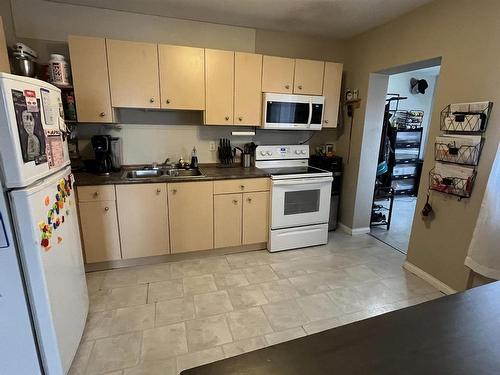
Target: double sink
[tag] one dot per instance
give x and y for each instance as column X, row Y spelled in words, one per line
column 161, row 173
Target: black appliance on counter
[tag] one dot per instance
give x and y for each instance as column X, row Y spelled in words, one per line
column 332, row 164
column 103, row 155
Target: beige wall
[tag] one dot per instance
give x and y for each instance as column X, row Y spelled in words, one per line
column 469, row 72
column 295, row 45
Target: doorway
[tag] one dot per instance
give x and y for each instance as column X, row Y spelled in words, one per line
column 407, row 113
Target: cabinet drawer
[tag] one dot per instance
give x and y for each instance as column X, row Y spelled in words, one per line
column 96, row 193
column 241, row 186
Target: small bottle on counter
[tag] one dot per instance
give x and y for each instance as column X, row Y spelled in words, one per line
column 194, row 158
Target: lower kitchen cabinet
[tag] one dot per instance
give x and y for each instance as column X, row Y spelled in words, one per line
column 99, row 225
column 255, row 217
column 227, row 220
column 143, row 218
column 191, row 216
column 241, row 219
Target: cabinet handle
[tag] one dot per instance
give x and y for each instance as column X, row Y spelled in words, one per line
column 168, row 101
column 249, row 200
column 102, row 114
column 242, row 187
column 299, row 87
column 235, row 201
column 227, row 118
column 96, row 194
column 152, row 100
column 326, row 121
column 240, row 118
column 158, row 191
column 287, row 87
column 174, row 191
column 106, row 209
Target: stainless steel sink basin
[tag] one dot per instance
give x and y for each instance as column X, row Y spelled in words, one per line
column 143, row 173
column 182, row 172
column 137, row 174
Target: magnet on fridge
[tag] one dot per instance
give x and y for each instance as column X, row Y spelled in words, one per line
column 58, row 197
column 67, row 212
column 46, row 200
column 45, row 242
column 62, row 219
column 59, row 239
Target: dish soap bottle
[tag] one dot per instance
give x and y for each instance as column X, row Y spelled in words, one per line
column 194, row 158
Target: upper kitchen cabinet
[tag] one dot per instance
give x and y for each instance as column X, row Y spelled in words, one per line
column 133, row 74
column 308, row 77
column 277, row 74
column 247, row 89
column 89, row 67
column 182, row 77
column 219, row 87
column 4, row 57
column 331, row 91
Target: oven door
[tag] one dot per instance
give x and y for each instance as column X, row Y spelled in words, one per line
column 298, row 202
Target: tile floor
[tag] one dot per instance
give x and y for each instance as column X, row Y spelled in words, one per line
column 398, row 235
column 164, row 318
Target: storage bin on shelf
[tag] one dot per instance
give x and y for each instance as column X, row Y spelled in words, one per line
column 466, row 117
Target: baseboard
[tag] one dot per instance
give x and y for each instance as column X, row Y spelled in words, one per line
column 123, row 263
column 438, row 284
column 353, row 232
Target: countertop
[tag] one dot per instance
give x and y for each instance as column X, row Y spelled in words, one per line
column 210, row 172
column 457, row 334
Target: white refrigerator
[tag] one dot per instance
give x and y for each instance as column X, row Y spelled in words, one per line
column 43, row 293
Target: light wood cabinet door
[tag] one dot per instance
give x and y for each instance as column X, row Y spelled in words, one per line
column 331, row 91
column 219, row 87
column 190, row 216
column 133, row 74
column 277, row 74
column 227, row 220
column 4, row 56
column 255, row 217
column 99, row 225
column 182, row 77
column 89, row 68
column 308, row 77
column 143, row 219
column 247, row 89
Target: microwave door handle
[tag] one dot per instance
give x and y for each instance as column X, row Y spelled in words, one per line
column 309, row 119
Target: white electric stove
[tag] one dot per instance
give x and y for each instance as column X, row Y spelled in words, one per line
column 300, row 197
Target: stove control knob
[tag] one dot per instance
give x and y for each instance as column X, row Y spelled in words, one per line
column 269, row 153
column 262, row 153
column 297, row 152
column 303, row 152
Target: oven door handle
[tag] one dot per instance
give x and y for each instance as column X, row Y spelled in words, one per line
column 302, row 181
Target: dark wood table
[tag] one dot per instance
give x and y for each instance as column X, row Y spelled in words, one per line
column 457, row 334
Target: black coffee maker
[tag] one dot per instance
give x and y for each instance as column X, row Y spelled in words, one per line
column 102, row 151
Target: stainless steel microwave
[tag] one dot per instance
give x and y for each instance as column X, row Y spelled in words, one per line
column 292, row 112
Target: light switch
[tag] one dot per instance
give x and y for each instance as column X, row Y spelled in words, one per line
column 4, row 242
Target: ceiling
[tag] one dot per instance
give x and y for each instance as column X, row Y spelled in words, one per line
column 328, row 18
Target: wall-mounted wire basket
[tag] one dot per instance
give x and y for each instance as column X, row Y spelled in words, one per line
column 466, row 117
column 461, row 154
column 460, row 187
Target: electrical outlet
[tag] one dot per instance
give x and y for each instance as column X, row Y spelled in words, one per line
column 211, row 146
